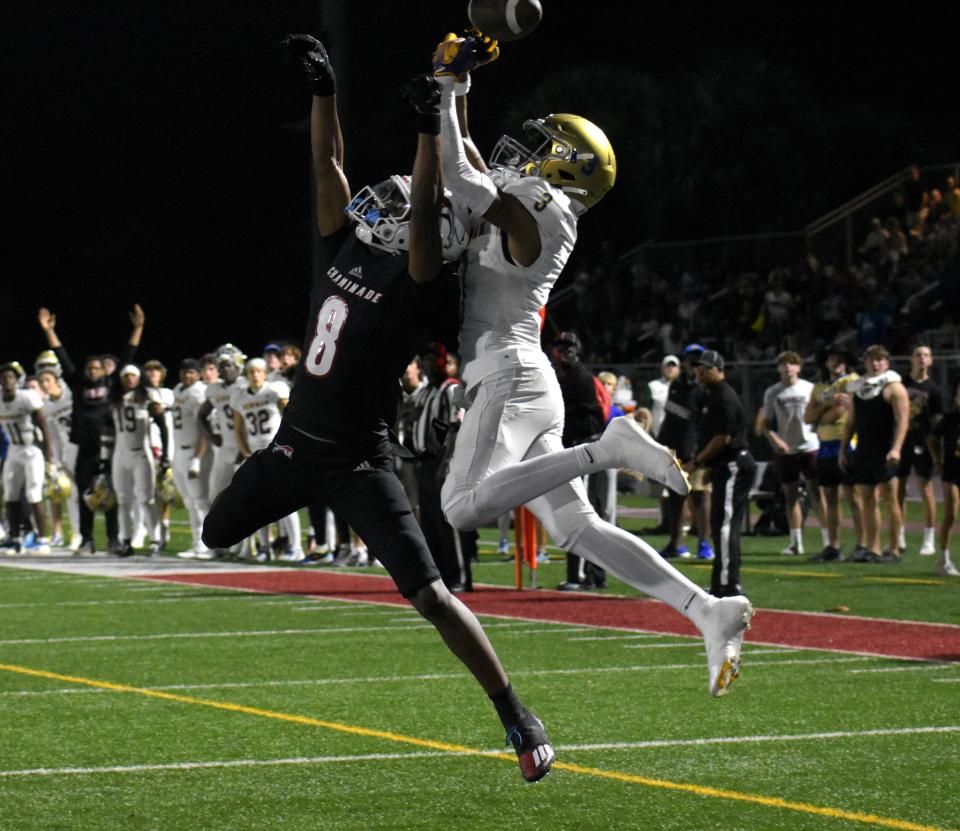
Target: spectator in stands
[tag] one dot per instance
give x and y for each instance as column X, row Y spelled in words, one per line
column 880, row 417
column 926, row 409
column 827, row 411
column 944, row 446
column 874, row 247
column 778, row 304
column 913, row 197
column 794, row 442
column 952, row 198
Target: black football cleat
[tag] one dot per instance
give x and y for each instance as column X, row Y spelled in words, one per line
column 534, row 751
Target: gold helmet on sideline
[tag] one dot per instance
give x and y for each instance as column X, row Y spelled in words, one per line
column 167, row 489
column 566, row 150
column 47, row 361
column 57, row 485
column 100, row 495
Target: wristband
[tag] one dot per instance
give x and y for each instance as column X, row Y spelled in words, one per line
column 195, row 465
column 429, row 123
column 462, row 87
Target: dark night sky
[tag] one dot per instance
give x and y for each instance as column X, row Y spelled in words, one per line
column 155, row 152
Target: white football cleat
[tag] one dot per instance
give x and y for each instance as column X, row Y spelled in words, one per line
column 189, row 554
column 724, row 622
column 625, row 440
column 927, row 549
column 948, row 569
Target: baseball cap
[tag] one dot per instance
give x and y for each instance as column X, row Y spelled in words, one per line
column 130, row 369
column 691, row 348
column 154, row 364
column 272, row 347
column 670, row 359
column 190, row 363
column 710, row 358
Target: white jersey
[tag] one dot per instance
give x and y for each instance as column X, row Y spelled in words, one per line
column 187, row 402
column 785, row 404
column 165, row 395
column 131, row 420
column 260, row 411
column 502, row 300
column 16, row 417
column 218, row 395
column 59, row 415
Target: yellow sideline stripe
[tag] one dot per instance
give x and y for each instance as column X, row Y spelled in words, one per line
column 699, row 790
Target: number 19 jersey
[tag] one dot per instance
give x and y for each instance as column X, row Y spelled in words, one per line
column 367, row 319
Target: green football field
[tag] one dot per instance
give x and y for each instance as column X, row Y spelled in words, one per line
column 136, row 704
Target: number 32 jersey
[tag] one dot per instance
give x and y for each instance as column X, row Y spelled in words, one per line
column 367, row 319
column 260, row 411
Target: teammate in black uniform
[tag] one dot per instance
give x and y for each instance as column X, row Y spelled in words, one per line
column 722, row 446
column 368, row 315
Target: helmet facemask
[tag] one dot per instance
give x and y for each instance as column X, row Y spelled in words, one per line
column 547, row 151
column 382, row 216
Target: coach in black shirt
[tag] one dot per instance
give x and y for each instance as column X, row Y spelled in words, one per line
column 722, row 446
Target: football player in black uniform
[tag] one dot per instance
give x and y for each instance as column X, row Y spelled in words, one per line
column 368, row 314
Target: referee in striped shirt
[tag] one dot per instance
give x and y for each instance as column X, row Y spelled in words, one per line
column 722, row 447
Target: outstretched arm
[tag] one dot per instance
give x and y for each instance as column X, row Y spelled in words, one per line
column 326, row 138
column 468, row 183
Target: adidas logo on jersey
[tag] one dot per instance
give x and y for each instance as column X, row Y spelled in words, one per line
column 357, row 272
column 363, row 466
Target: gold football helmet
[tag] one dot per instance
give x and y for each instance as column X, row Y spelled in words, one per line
column 100, row 495
column 49, row 362
column 57, row 485
column 167, row 489
column 566, row 150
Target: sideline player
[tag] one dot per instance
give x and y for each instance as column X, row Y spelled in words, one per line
column 134, row 407
column 58, row 410
column 926, row 409
column 368, row 314
column 880, row 417
column 257, row 409
column 190, row 447
column 21, row 411
column 509, row 450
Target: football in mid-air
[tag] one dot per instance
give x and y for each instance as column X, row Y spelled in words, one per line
column 505, row 19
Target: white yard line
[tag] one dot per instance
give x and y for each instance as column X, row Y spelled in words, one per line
column 442, row 676
column 914, row 668
column 379, row 757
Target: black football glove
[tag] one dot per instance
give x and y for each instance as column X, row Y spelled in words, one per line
column 423, row 95
column 306, row 52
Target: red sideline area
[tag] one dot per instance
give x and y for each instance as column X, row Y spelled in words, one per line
column 895, row 639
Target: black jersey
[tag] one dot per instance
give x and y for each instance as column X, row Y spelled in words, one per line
column 926, row 407
column 367, row 319
column 681, row 412
column 721, row 414
column 948, row 432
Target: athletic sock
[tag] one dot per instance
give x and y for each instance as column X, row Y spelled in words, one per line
column 825, row 536
column 928, row 534
column 796, row 539
column 508, row 706
column 632, row 560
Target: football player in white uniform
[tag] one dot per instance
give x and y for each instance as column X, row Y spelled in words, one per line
column 230, row 361
column 134, row 407
column 190, row 446
column 58, row 411
column 256, row 416
column 154, row 374
column 21, row 416
column 508, row 451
